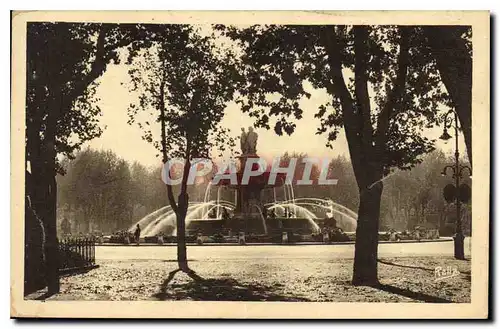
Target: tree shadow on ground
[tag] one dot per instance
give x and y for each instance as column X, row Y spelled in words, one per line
column 406, row 292
column 406, row 266
column 411, row 294
column 466, row 274
column 223, row 289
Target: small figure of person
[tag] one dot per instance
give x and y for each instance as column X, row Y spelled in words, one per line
column 332, row 233
column 326, row 234
column 265, row 212
column 417, row 233
column 137, row 234
column 225, row 214
column 392, row 235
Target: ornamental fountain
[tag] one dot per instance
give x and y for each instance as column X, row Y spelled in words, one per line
column 249, row 211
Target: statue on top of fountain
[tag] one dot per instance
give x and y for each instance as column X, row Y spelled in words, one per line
column 248, row 141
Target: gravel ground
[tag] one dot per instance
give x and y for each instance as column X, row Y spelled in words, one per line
column 403, row 279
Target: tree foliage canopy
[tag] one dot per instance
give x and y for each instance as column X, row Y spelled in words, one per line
column 385, row 71
column 64, row 62
column 185, row 82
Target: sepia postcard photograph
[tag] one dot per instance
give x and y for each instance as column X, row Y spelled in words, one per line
column 250, row 165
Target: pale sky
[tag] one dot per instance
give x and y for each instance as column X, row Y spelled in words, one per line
column 126, row 142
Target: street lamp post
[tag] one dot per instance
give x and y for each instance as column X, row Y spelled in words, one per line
column 457, row 170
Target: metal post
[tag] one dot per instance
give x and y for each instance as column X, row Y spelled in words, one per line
column 457, row 173
column 92, row 260
column 459, row 237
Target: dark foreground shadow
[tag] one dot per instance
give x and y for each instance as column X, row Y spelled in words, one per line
column 411, row 294
column 223, row 289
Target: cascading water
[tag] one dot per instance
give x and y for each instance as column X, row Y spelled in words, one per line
column 309, row 209
column 291, row 193
column 264, row 225
column 299, row 212
column 218, row 200
column 149, row 218
column 167, row 219
column 303, row 208
column 207, row 192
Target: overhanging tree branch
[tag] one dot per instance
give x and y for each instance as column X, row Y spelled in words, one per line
column 98, row 67
column 454, row 62
column 361, row 85
column 395, row 95
column 161, row 105
column 338, row 88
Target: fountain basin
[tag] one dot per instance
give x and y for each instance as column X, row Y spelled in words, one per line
column 250, row 225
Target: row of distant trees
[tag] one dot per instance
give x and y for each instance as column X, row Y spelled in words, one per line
column 102, row 192
column 410, row 197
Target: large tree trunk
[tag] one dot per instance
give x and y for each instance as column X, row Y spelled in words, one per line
column 34, row 258
column 34, row 242
column 52, row 248
column 50, row 217
column 365, row 258
column 41, row 153
column 181, row 231
column 182, row 207
column 42, row 191
column 365, row 160
column 43, row 196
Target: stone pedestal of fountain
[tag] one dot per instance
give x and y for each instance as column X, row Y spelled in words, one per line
column 248, row 212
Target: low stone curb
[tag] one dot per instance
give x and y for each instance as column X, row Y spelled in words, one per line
column 270, row 244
